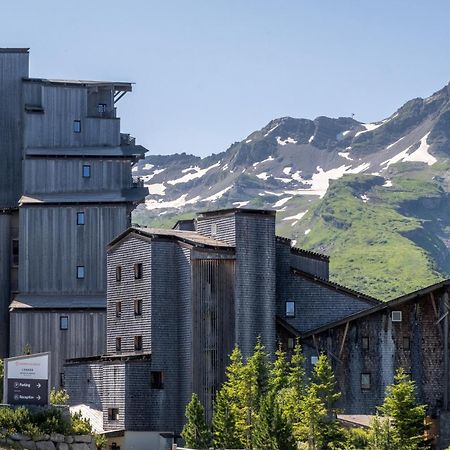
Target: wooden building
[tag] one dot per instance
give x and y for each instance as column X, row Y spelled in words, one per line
column 65, row 191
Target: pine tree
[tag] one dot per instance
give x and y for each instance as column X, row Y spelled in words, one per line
column 278, row 378
column 324, row 382
column 407, row 416
column 224, row 422
column 196, row 433
column 297, row 376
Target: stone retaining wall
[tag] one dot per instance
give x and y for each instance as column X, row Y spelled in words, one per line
column 53, row 441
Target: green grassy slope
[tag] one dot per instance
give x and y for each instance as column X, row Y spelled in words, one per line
column 369, row 241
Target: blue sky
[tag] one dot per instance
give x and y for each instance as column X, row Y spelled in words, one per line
column 209, row 72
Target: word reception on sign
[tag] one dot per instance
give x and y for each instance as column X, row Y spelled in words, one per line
column 26, row 379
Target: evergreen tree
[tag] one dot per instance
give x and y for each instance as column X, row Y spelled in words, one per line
column 224, row 422
column 258, row 365
column 407, row 416
column 278, row 378
column 297, row 377
column 381, row 436
column 196, row 433
column 324, row 383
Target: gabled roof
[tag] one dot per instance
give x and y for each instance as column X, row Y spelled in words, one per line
column 64, row 302
column 226, row 211
column 396, row 302
column 335, row 286
column 301, row 251
column 116, row 85
column 189, row 237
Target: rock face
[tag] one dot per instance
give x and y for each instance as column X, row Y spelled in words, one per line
column 290, row 164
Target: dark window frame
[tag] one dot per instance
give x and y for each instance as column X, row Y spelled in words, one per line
column 156, row 379
column 118, row 273
column 86, row 171
column 365, row 342
column 138, row 271
column 81, row 218
column 287, row 312
column 118, row 309
column 15, row 252
column 61, row 325
column 81, row 276
column 138, row 304
column 365, row 387
column 406, row 343
column 118, row 344
column 76, row 126
column 138, row 343
column 113, row 414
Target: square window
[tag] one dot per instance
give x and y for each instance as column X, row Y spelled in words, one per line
column 64, row 323
column 80, row 272
column 86, row 171
column 118, row 273
column 314, row 360
column 156, row 380
column 365, row 343
column 138, row 307
column 396, row 316
column 138, row 271
column 113, row 413
column 101, row 108
column 290, row 309
column 406, row 343
column 138, row 343
column 290, row 343
column 365, row 381
column 118, row 344
column 118, row 309
column 80, row 218
column 77, row 126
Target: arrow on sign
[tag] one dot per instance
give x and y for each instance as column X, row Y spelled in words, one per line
column 39, row 385
column 38, row 397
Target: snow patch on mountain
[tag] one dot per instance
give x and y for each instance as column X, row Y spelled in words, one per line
column 286, row 141
column 297, row 216
column 177, row 203
column 156, row 189
column 198, row 173
column 281, row 202
column 369, row 127
column 218, row 195
column 263, row 176
column 345, row 155
column 272, row 129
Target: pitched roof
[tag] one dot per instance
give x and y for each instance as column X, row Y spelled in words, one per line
column 189, row 237
column 382, row 306
column 222, row 212
column 301, row 251
column 28, row 302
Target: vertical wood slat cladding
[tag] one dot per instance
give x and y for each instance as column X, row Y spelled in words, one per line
column 52, row 245
column 41, row 329
column 54, row 128
column 65, row 175
column 213, row 325
column 13, row 67
column 5, row 297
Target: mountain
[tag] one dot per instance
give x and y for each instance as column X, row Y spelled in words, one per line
column 374, row 196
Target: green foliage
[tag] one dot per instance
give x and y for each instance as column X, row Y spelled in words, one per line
column 27, row 350
column 224, row 422
column 357, row 438
column 406, row 415
column 80, row 425
column 381, row 435
column 59, row 397
column 196, row 433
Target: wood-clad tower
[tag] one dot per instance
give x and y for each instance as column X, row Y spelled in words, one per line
column 65, row 191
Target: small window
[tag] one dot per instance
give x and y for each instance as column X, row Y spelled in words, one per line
column 118, row 273
column 138, row 307
column 113, row 413
column 406, row 343
column 290, row 343
column 80, row 218
column 156, row 380
column 118, row 309
column 80, row 272
column 396, row 316
column 365, row 381
column 15, row 252
column 86, row 171
column 118, row 344
column 138, row 343
column 214, row 229
column 62, row 379
column 138, row 271
column 101, row 108
column 77, row 126
column 314, row 360
column 290, row 309
column 365, row 343
column 64, row 323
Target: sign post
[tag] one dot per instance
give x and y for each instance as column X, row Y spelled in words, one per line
column 27, row 379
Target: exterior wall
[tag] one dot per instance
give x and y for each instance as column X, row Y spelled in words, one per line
column 317, row 304
column 13, row 67
column 41, row 330
column 424, row 359
column 65, row 175
column 132, row 250
column 5, row 289
column 114, row 394
column 54, row 126
column 226, row 227
column 52, row 245
column 84, row 384
column 310, row 264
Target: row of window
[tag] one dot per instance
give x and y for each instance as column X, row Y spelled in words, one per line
column 137, row 308
column 365, row 343
column 137, row 269
column 137, row 344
